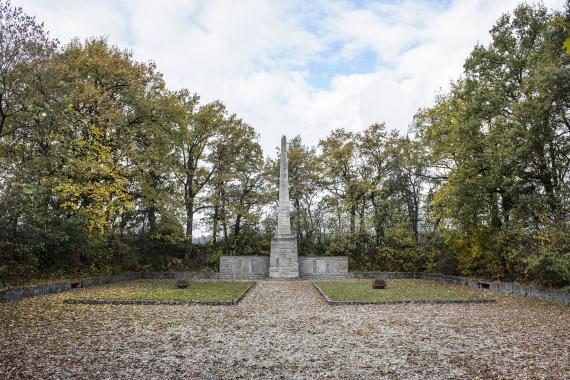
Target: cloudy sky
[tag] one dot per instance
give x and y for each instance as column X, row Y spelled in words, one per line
column 293, row 67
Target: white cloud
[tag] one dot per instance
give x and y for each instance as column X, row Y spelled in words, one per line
column 256, row 55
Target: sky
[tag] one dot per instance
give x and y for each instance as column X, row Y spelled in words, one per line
column 293, row 67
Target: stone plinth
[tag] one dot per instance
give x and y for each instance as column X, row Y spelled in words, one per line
column 284, row 260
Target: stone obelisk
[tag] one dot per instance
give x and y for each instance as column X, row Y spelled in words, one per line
column 284, row 260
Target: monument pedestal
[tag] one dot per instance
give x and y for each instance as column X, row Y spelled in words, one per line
column 284, row 260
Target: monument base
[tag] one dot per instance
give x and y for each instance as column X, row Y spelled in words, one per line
column 284, row 261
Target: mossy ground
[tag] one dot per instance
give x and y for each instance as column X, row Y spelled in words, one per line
column 398, row 291
column 164, row 290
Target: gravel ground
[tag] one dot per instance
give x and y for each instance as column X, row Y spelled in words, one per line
column 284, row 330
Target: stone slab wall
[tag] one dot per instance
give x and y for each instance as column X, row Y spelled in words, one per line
column 39, row 290
column 548, row 294
column 258, row 266
column 323, row 266
column 244, row 266
column 31, row 291
column 181, row 275
column 381, row 275
column 93, row 281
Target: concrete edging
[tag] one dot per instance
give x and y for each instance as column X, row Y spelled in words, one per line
column 428, row 302
column 243, row 294
column 142, row 302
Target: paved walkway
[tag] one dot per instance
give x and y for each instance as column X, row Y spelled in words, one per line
column 285, row 330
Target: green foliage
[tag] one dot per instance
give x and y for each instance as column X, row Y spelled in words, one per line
column 500, row 142
column 103, row 169
column 559, row 21
column 549, row 268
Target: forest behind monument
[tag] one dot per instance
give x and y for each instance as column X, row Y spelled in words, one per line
column 103, row 169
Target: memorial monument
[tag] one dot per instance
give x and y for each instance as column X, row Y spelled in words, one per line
column 283, row 258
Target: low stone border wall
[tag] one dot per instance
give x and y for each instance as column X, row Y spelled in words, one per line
column 93, row 281
column 382, row 275
column 43, row 289
column 235, row 301
column 31, row 291
column 435, row 301
column 180, row 275
column 196, row 276
column 548, row 294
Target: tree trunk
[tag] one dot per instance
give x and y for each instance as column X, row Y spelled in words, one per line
column 152, row 219
column 189, row 227
column 495, row 220
column 416, row 218
column 215, row 221
column 352, row 218
column 506, row 205
column 298, row 225
column 224, row 222
column 237, row 226
column 361, row 216
column 378, row 230
column 545, row 176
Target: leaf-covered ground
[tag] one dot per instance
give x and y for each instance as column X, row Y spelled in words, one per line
column 398, row 290
column 284, row 330
column 164, row 290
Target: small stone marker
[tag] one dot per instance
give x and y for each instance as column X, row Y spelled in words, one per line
column 379, row 284
column 182, row 284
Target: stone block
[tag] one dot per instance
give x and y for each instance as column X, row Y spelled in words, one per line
column 244, row 266
column 284, row 261
column 323, row 266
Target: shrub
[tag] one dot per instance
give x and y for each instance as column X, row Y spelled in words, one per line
column 549, row 268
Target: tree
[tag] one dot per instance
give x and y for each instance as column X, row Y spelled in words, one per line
column 305, row 185
column 197, row 128
column 238, row 187
column 502, row 136
column 24, row 48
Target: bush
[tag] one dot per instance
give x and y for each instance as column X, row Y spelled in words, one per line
column 549, row 268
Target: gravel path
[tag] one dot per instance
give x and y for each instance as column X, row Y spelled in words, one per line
column 284, row 330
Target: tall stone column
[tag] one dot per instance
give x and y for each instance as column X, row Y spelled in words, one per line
column 284, row 260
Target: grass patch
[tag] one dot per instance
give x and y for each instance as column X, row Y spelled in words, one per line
column 164, row 290
column 398, row 291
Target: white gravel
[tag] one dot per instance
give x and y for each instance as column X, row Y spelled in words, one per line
column 284, row 330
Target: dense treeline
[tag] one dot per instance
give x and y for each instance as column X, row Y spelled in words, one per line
column 104, row 169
